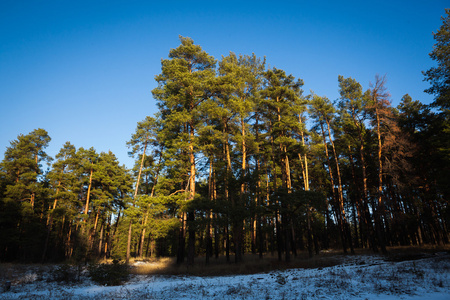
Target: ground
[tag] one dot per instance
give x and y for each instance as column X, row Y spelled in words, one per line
column 362, row 276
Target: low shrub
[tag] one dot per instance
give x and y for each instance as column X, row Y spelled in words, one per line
column 64, row 273
column 109, row 274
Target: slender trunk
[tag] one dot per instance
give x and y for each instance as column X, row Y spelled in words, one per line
column 286, row 183
column 253, row 231
column 279, row 237
column 305, row 162
column 356, row 203
column 244, row 149
column 191, row 238
column 216, row 239
column 140, row 172
column 142, row 238
column 86, row 209
column 237, row 227
column 380, row 164
column 209, row 216
column 144, row 227
column 259, row 217
column 293, row 240
column 330, row 173
column 50, row 223
column 257, row 232
column 335, row 197
column 134, row 203
column 93, row 233
column 100, row 242
column 108, row 238
column 227, row 195
column 181, row 238
column 309, row 233
column 285, row 206
column 379, row 210
column 227, row 242
column 88, row 196
column 344, row 223
column 191, row 215
column 33, row 196
column 69, row 247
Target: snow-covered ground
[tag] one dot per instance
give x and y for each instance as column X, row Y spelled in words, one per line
column 358, row 277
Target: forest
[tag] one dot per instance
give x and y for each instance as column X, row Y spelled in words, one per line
column 239, row 159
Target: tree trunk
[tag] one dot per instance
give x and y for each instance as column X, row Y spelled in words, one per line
column 370, row 229
column 344, row 223
column 49, row 224
column 309, row 233
column 335, row 197
column 100, row 242
column 94, row 231
column 379, row 209
column 134, row 203
column 181, row 239
column 191, row 215
column 237, row 226
column 305, row 163
column 141, row 251
column 86, row 209
column 210, row 214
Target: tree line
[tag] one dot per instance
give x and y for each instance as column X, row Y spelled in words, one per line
column 239, row 160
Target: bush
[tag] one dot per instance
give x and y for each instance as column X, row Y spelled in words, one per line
column 109, row 274
column 64, row 273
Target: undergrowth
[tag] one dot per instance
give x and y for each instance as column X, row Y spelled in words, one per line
column 109, row 274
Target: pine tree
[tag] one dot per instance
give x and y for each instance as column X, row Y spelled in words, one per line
column 183, row 85
column 25, row 194
column 145, row 135
column 379, row 109
column 354, row 113
column 281, row 96
column 439, row 78
column 64, row 183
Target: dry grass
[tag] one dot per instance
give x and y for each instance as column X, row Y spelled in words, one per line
column 402, row 253
column 22, row 273
column 252, row 264
column 219, row 267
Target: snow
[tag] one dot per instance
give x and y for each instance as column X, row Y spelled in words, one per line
column 357, row 277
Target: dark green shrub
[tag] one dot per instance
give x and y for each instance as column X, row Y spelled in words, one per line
column 65, row 273
column 109, row 274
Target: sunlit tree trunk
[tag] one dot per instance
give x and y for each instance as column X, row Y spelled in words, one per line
column 380, row 205
column 88, row 195
column 191, row 214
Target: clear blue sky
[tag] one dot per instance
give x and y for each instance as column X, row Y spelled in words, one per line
column 84, row 70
